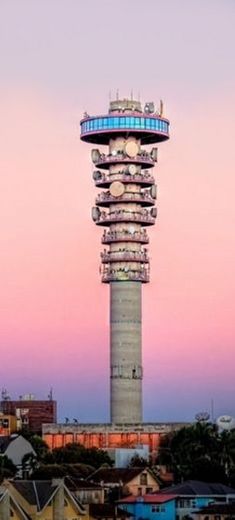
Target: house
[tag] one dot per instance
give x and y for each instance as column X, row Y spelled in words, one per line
column 15, row 448
column 216, row 512
column 86, row 492
column 126, row 481
column 193, row 495
column 9, row 509
column 179, row 502
column 45, row 500
column 155, row 506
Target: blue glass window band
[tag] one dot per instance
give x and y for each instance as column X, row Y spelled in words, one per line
column 125, row 122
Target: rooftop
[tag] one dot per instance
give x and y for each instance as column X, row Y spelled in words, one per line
column 196, row 487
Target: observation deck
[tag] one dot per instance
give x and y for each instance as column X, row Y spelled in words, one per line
column 124, row 120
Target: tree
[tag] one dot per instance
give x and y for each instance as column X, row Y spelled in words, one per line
column 7, row 468
column 199, row 452
column 137, row 462
column 76, row 453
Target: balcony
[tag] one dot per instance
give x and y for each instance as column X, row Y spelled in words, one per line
column 124, row 256
column 125, row 236
column 144, row 198
column 144, row 217
column 124, row 275
column 144, row 159
column 103, row 180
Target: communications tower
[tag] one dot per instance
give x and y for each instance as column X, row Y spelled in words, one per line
column 125, row 208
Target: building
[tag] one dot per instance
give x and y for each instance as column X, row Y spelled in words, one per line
column 123, row 457
column 108, row 436
column 50, row 500
column 216, row 512
column 30, row 413
column 193, row 495
column 125, row 209
column 16, row 448
column 9, row 509
column 45, row 500
column 86, row 492
column 8, row 424
column 186, row 501
column 126, row 481
column 151, row 507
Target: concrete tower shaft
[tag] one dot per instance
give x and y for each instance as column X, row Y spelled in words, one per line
column 126, row 352
column 126, row 208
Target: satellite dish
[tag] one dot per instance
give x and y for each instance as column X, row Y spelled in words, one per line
column 97, row 175
column 132, row 169
column 126, row 269
column 149, row 107
column 95, row 155
column 226, row 422
column 154, row 212
column 131, row 230
column 117, row 189
column 131, row 148
column 153, row 191
column 114, row 152
column 154, row 154
column 202, row 416
column 95, row 213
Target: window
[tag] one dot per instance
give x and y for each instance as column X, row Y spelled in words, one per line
column 139, row 123
column 139, row 491
column 143, row 479
column 158, row 509
column 149, row 489
column 11, row 513
column 184, row 503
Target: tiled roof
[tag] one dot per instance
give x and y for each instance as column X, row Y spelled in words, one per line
column 196, row 487
column 115, row 475
column 36, row 492
column 153, row 498
column 73, row 484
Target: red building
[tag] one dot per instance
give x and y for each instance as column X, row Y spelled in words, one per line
column 31, row 413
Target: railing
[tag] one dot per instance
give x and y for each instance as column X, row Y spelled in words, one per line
column 143, row 197
column 125, row 236
column 138, row 178
column 143, row 217
column 122, row 276
column 142, row 157
column 124, row 256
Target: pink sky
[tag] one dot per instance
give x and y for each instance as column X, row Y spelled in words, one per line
column 59, row 58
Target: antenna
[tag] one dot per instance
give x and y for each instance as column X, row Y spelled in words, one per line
column 131, row 94
column 212, row 410
column 161, row 108
column 50, row 395
column 117, row 94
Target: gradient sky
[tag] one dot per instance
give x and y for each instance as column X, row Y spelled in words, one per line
column 57, row 59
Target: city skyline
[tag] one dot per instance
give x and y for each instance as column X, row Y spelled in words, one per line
column 57, row 63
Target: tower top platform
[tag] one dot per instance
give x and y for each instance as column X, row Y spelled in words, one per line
column 126, row 117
